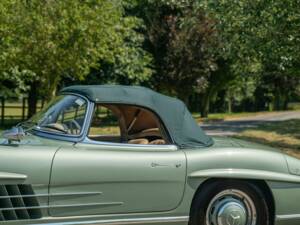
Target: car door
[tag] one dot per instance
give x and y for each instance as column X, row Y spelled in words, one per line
column 116, row 178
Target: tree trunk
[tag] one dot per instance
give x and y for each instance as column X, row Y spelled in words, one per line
column 286, row 104
column 277, row 101
column 205, row 106
column 229, row 106
column 285, row 101
column 32, row 99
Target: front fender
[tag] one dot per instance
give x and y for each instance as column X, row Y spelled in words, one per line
column 12, row 178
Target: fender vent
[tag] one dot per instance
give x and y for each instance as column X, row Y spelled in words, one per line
column 18, row 202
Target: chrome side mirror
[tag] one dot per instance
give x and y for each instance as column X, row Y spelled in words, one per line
column 14, row 134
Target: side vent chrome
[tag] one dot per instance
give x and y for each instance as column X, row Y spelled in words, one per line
column 18, row 202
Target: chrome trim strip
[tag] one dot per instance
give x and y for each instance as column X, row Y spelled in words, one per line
column 246, row 174
column 126, row 145
column 288, row 217
column 63, row 206
column 52, row 195
column 12, row 176
column 154, row 220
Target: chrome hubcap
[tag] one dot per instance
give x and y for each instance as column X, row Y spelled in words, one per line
column 231, row 207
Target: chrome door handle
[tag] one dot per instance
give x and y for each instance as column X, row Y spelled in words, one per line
column 154, row 165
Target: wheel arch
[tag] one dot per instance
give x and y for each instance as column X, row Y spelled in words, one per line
column 260, row 184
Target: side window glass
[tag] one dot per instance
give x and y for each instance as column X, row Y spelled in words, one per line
column 105, row 125
column 126, row 124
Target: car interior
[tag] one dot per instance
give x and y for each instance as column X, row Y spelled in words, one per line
column 120, row 123
column 65, row 115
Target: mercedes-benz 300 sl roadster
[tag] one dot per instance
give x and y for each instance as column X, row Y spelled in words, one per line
column 127, row 155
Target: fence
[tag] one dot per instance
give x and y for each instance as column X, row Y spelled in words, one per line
column 14, row 111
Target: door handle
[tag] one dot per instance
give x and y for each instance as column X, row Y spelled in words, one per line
column 155, row 165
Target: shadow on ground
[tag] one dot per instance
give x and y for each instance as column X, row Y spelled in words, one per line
column 284, row 134
column 289, row 127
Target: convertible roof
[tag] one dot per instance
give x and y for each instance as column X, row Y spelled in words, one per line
column 177, row 119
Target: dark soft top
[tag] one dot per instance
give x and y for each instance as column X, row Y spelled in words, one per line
column 177, row 119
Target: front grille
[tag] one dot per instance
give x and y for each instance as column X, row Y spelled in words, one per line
column 18, row 202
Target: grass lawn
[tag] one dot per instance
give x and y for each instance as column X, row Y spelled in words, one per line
column 107, row 130
column 294, row 106
column 15, row 108
column 284, row 135
column 233, row 116
column 226, row 116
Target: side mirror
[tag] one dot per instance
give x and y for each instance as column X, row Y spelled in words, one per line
column 14, row 134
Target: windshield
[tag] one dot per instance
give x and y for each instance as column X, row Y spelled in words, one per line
column 65, row 115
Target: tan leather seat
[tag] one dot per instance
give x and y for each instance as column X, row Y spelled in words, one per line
column 146, row 133
column 140, row 141
column 158, row 142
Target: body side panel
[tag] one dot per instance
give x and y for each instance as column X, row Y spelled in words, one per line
column 139, row 180
column 35, row 161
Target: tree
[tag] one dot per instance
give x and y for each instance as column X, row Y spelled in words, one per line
column 235, row 54
column 259, row 39
column 279, row 45
column 53, row 39
column 130, row 64
column 180, row 37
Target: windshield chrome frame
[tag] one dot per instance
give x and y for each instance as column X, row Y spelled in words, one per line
column 69, row 137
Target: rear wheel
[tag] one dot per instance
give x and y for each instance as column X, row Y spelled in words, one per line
column 230, row 203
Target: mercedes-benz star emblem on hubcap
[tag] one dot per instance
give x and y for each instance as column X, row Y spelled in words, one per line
column 234, row 219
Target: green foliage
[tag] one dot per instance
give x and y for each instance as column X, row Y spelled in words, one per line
column 280, row 48
column 231, row 51
column 259, row 39
column 180, row 37
column 130, row 63
column 15, row 77
column 55, row 39
column 240, row 89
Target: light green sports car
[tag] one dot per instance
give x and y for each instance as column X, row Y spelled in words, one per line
column 127, row 155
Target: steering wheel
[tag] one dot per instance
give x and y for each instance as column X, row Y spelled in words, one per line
column 57, row 126
column 77, row 126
